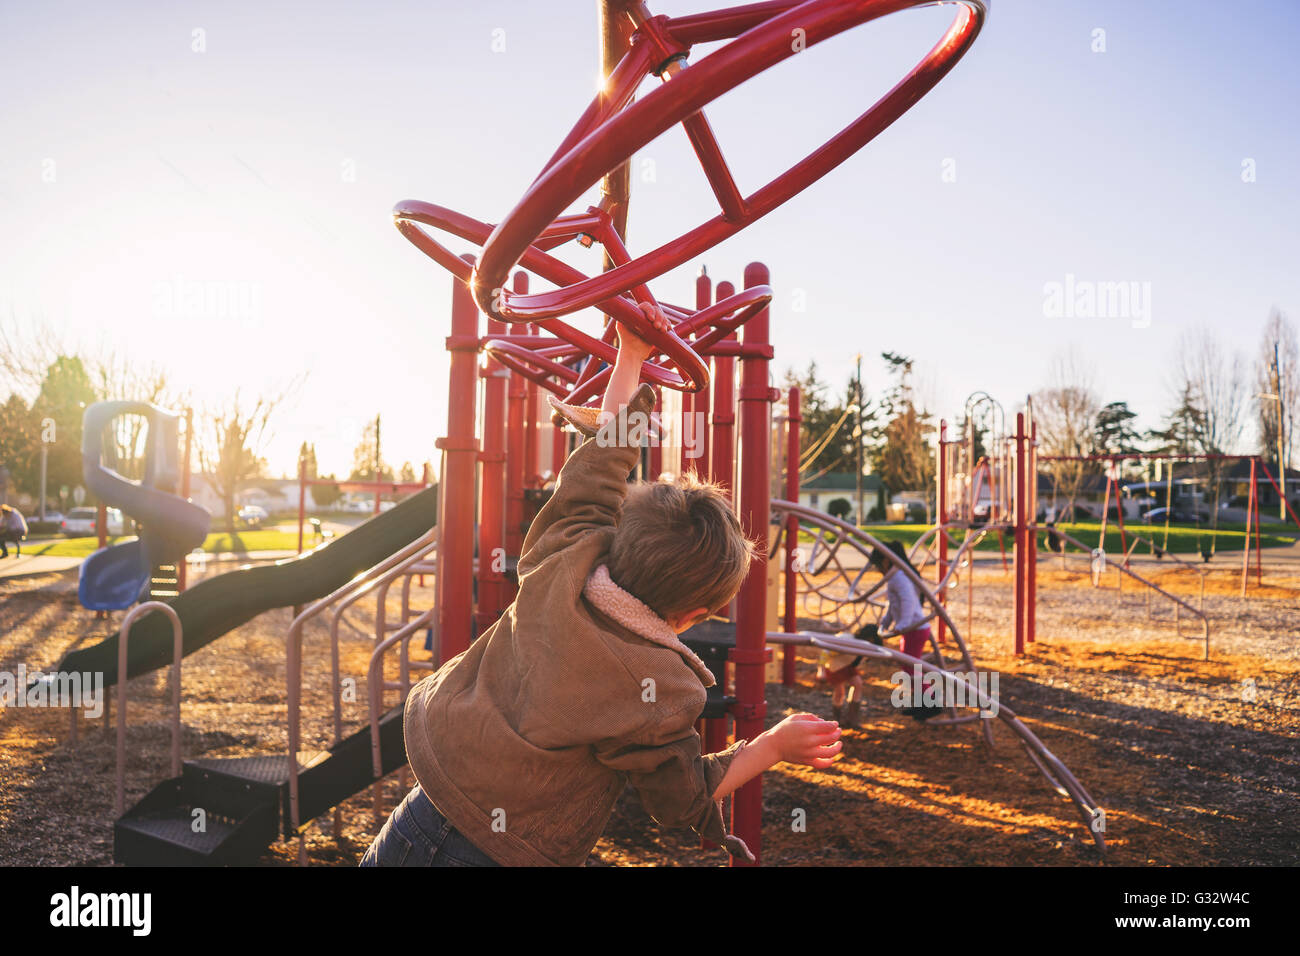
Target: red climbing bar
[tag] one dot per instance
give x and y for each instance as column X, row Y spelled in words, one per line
column 1019, row 541
column 517, row 398
column 940, row 631
column 1031, row 579
column 456, row 509
column 559, row 451
column 750, row 653
column 793, row 420
column 722, row 458
column 719, row 469
column 531, row 451
column 491, row 516
column 696, row 403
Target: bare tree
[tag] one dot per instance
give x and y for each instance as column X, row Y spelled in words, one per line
column 231, row 442
column 27, row 350
column 1214, row 377
column 1277, row 379
column 1066, row 414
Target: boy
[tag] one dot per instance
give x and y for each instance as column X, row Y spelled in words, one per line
column 522, row 744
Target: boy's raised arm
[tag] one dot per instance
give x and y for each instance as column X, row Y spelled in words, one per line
column 593, row 482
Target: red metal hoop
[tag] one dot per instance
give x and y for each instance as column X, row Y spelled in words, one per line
column 544, row 360
column 691, row 372
column 611, row 131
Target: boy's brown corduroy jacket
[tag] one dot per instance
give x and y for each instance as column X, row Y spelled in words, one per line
column 525, row 741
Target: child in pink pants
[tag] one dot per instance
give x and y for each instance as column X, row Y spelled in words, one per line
column 904, row 613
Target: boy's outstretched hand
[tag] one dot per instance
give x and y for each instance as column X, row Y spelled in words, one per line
column 800, row 738
column 807, row 739
column 633, row 345
column 632, row 351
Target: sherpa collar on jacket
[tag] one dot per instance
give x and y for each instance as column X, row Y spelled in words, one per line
column 632, row 613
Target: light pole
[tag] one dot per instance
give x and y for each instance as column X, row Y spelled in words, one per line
column 1281, row 462
column 857, row 431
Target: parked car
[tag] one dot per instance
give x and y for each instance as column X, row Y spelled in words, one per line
column 1177, row 515
column 81, row 522
column 37, row 528
column 252, row 516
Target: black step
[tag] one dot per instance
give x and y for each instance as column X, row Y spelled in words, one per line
column 347, row 769
column 234, row 785
column 160, row 830
column 245, row 801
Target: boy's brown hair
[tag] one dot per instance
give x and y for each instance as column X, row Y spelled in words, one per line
column 679, row 546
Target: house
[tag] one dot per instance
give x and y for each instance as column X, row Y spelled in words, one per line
column 825, row 488
column 275, row 495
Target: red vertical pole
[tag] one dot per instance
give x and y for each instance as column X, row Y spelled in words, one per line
column 531, row 450
column 183, row 565
column 492, row 491
column 685, row 464
column 722, row 427
column 940, row 628
column 1105, row 511
column 695, row 429
column 456, row 501
column 722, row 459
column 1119, row 518
column 1259, row 557
column 1031, row 572
column 559, row 451
column 1252, row 505
column 1019, row 546
column 517, row 400
column 791, row 623
column 750, row 653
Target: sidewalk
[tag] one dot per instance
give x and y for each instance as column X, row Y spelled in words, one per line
column 29, row 564
column 32, row 564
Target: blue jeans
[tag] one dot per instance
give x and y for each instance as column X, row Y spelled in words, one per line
column 418, row 835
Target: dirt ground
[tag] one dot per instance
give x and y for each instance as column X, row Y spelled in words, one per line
column 1188, row 767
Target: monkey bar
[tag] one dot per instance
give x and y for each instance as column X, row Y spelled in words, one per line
column 615, row 126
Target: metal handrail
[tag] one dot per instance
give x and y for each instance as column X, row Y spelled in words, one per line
column 178, row 652
column 359, row 591
column 376, row 686
column 391, row 566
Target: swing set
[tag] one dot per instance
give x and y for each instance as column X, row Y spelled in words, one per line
column 1258, row 468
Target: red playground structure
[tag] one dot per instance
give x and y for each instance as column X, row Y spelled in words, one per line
column 696, row 358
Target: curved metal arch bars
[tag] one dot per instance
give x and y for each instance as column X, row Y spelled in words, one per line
column 1056, row 773
column 845, row 534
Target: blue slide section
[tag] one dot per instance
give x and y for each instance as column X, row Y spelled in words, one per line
column 114, row 578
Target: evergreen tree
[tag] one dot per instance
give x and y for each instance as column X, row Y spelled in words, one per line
column 1113, row 432
column 902, row 455
column 58, row 409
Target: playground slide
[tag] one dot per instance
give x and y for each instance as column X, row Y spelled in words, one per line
column 220, row 604
column 114, row 578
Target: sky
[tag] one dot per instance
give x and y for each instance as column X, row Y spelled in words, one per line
column 207, row 188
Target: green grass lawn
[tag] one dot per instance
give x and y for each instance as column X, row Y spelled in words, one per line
column 240, row 541
column 1182, row 539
